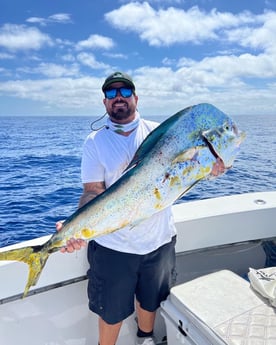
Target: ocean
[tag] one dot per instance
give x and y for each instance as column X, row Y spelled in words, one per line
column 40, row 170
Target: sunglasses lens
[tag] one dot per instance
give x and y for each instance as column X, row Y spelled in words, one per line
column 125, row 92
column 112, row 93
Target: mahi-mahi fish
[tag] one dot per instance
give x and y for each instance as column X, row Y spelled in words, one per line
column 171, row 160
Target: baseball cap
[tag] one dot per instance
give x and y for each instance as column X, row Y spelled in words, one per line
column 118, row 77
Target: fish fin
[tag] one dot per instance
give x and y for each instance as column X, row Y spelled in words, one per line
column 188, row 189
column 188, row 155
column 35, row 257
column 153, row 138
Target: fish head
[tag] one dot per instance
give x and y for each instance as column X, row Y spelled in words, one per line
column 224, row 142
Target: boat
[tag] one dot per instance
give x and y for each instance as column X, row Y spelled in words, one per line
column 216, row 235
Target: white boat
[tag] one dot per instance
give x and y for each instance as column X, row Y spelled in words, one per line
column 214, row 235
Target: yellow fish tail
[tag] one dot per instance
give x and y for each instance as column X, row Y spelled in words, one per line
column 35, row 257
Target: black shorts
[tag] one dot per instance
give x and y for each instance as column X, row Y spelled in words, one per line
column 114, row 278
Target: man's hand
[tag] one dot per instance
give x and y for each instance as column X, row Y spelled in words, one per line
column 72, row 244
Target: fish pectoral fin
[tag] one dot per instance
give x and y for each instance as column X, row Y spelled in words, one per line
column 188, row 189
column 188, row 155
column 35, row 257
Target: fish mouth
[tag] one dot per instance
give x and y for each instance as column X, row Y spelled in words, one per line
column 211, row 148
column 218, row 138
column 219, row 167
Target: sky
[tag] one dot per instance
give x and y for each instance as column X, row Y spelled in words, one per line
column 55, row 55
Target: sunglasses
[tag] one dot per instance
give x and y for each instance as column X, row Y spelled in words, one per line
column 112, row 93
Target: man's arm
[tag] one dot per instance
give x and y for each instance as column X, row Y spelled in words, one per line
column 90, row 191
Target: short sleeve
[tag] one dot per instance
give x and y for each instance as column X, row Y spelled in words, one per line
column 91, row 168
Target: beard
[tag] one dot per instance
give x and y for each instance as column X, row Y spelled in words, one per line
column 121, row 113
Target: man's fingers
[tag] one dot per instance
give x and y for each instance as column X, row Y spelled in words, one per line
column 59, row 225
column 72, row 245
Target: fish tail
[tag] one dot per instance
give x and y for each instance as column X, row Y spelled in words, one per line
column 34, row 256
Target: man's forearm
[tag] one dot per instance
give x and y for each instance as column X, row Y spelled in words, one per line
column 86, row 197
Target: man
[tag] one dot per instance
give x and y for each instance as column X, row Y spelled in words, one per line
column 128, row 263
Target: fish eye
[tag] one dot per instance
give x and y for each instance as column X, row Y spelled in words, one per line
column 231, row 127
column 227, row 127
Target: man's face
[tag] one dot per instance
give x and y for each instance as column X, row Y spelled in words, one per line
column 121, row 109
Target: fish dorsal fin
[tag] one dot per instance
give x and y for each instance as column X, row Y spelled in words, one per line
column 151, row 140
column 144, row 148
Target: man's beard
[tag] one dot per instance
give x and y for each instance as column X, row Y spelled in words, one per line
column 121, row 113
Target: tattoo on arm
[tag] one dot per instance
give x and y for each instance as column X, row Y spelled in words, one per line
column 90, row 191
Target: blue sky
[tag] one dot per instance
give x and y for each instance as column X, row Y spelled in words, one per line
column 54, row 55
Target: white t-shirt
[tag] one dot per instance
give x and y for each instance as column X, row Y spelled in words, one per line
column 106, row 155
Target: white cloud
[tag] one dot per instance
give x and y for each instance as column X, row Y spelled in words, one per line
column 116, row 56
column 90, row 61
column 19, row 37
column 168, row 91
column 6, row 56
column 260, row 36
column 174, row 25
column 37, row 20
column 61, row 18
column 66, row 93
column 68, row 58
column 63, row 43
column 161, row 91
column 95, row 42
column 52, row 70
column 224, row 70
column 237, row 77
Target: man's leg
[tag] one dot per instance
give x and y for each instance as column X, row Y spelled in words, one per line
column 108, row 334
column 145, row 319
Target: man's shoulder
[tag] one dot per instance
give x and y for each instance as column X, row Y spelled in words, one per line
column 96, row 137
column 97, row 133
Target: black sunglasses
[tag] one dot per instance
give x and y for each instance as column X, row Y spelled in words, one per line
column 112, row 93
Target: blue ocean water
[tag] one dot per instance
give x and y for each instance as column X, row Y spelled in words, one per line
column 40, row 170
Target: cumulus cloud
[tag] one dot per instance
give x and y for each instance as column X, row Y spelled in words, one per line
column 52, row 70
column 261, row 35
column 227, row 71
column 239, row 70
column 19, row 37
column 61, row 92
column 90, row 61
column 168, row 90
column 174, row 25
column 232, row 72
column 95, row 42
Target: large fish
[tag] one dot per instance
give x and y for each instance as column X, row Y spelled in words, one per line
column 173, row 158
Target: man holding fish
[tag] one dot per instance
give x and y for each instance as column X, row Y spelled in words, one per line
column 125, row 208
column 126, row 263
